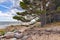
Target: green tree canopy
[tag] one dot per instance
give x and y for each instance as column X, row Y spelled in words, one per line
column 31, row 7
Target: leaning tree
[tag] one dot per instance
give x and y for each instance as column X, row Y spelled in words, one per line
column 34, row 9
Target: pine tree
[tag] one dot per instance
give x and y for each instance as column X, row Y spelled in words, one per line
column 33, row 9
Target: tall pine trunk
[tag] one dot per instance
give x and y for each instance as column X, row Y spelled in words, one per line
column 43, row 15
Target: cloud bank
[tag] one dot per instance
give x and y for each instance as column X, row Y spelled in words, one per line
column 7, row 16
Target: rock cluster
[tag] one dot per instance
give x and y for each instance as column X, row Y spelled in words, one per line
column 30, row 34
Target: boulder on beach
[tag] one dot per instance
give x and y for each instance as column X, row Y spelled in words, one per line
column 18, row 35
column 9, row 35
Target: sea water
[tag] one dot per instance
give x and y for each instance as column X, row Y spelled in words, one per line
column 4, row 24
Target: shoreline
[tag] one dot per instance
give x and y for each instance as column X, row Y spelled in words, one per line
column 5, row 26
column 41, row 33
column 30, row 32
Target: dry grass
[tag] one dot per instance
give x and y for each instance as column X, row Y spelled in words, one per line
column 55, row 24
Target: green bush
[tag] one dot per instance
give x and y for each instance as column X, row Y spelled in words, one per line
column 2, row 32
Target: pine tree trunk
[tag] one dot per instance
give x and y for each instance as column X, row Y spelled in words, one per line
column 43, row 20
column 43, row 15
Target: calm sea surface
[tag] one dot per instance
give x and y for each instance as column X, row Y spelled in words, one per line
column 4, row 24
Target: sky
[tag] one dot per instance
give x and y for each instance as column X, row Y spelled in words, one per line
column 8, row 9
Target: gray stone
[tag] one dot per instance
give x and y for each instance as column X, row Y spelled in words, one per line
column 9, row 35
column 58, row 29
column 54, row 29
column 25, row 37
column 42, row 32
column 1, row 37
column 48, row 30
column 18, row 35
column 13, row 39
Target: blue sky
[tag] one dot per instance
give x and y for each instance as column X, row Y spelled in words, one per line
column 5, row 5
column 8, row 9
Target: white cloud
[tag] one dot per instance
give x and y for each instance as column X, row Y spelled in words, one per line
column 2, row 1
column 20, row 0
column 7, row 16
